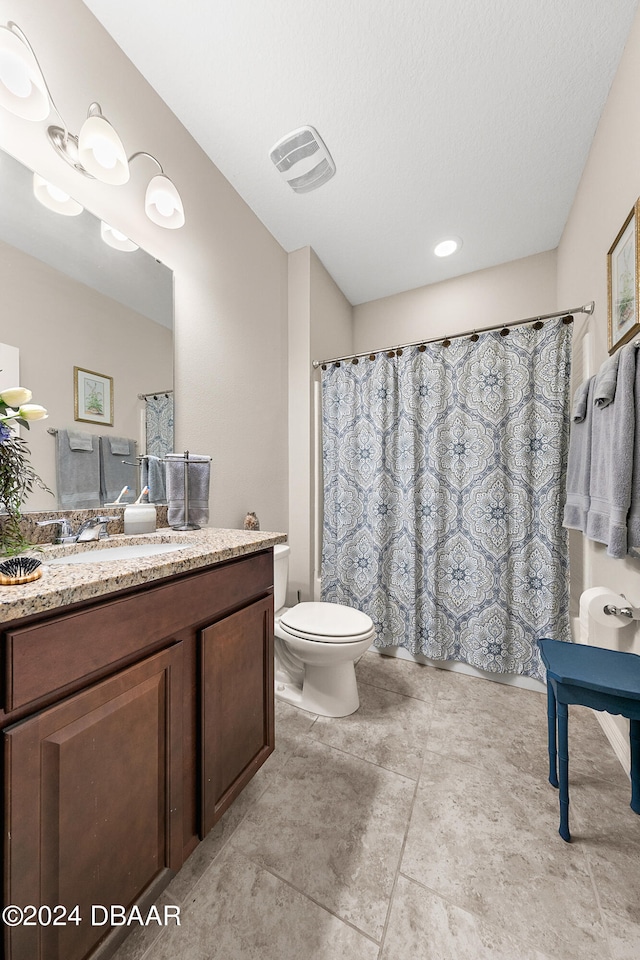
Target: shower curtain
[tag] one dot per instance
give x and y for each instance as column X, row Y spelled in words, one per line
column 159, row 424
column 443, row 495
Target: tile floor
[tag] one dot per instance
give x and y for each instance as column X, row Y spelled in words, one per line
column 420, row 828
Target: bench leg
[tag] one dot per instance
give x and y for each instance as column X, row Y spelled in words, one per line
column 634, row 738
column 551, row 724
column 563, row 757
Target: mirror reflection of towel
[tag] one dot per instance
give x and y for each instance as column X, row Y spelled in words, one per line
column 198, row 477
column 114, row 473
column 77, row 470
column 153, row 475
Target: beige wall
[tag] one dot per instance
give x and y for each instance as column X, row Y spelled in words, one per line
column 230, row 274
column 320, row 322
column 510, row 291
column 58, row 323
column 609, row 187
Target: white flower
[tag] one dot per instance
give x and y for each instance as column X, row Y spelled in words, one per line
column 15, row 396
column 32, row 411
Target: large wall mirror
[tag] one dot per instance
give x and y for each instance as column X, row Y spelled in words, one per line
column 69, row 301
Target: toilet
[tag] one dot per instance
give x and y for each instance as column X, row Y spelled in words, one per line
column 316, row 646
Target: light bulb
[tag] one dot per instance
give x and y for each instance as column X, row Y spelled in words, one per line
column 23, row 90
column 14, row 74
column 56, row 193
column 162, row 203
column 104, row 152
column 116, row 239
column 53, row 198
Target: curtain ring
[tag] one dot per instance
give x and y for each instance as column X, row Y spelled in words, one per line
column 398, row 353
column 504, row 332
column 372, row 356
column 538, row 325
column 474, row 337
column 337, row 363
column 567, row 320
column 446, row 343
column 323, row 367
column 391, row 353
column 354, row 360
column 422, row 347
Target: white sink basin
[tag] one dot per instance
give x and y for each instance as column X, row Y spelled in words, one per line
column 127, row 552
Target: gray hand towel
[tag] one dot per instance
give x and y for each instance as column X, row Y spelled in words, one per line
column 114, row 473
column 79, row 440
column 579, row 458
column 77, row 471
column 580, row 401
column 120, row 445
column 198, row 476
column 606, row 380
column 612, row 446
column 153, row 475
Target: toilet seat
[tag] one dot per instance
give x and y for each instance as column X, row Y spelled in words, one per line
column 326, row 623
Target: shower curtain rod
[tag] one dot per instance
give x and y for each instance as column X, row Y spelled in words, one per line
column 155, row 394
column 587, row 308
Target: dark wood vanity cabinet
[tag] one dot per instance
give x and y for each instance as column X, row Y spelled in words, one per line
column 135, row 748
column 237, row 705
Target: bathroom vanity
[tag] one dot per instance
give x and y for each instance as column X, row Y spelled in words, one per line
column 137, row 704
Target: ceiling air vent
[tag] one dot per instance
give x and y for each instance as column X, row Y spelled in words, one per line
column 303, row 160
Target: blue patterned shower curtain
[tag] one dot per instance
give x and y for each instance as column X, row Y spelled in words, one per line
column 443, row 495
column 159, row 424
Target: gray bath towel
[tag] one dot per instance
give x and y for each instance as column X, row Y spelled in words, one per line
column 153, row 475
column 114, row 473
column 633, row 523
column 198, row 477
column 606, row 379
column 579, row 458
column 612, row 443
column 77, row 470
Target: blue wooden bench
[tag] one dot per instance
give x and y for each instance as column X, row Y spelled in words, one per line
column 606, row 680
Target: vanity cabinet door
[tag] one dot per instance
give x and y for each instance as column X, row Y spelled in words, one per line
column 93, row 805
column 237, row 709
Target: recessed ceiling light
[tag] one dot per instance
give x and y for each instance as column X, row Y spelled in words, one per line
column 446, row 247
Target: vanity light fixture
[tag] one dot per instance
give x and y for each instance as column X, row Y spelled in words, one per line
column 97, row 152
column 54, row 198
column 116, row 239
column 446, row 247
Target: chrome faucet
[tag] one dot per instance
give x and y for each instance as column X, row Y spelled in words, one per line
column 93, row 529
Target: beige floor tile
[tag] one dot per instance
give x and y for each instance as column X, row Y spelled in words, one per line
column 291, row 721
column 624, row 934
column 387, row 729
column 240, row 912
column 332, row 825
column 402, row 676
column 490, row 845
column 423, row 925
column 508, row 736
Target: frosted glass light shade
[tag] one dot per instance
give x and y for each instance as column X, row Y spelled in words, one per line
column 54, row 198
column 116, row 239
column 100, row 151
column 23, row 90
column 162, row 203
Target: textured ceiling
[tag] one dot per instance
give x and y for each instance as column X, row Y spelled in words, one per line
column 464, row 117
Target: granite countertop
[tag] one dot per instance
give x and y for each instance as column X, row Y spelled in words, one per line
column 64, row 584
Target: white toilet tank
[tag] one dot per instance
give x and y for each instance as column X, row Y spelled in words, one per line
column 280, row 574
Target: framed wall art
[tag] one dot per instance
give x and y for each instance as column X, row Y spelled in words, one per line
column 622, row 283
column 93, row 397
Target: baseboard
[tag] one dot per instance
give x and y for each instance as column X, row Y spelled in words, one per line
column 617, row 739
column 509, row 679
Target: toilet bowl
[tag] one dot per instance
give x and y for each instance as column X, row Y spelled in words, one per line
column 316, row 646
